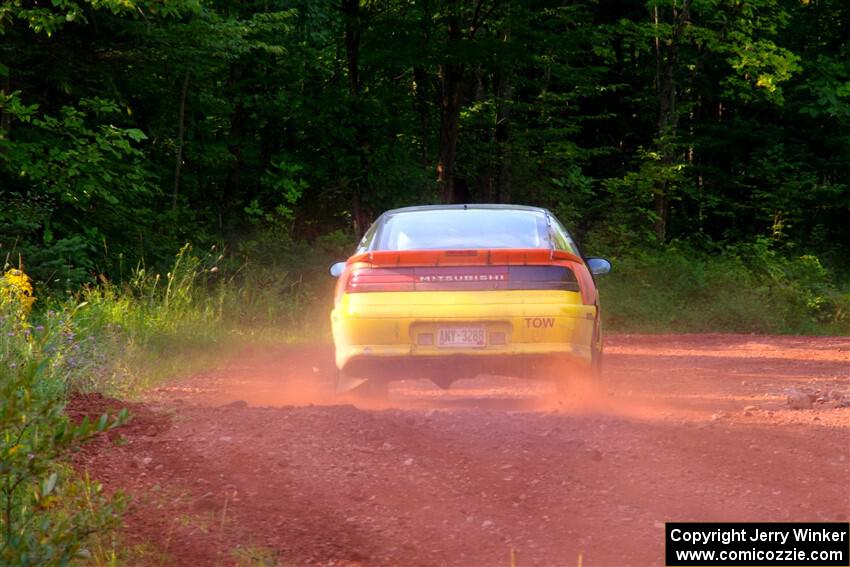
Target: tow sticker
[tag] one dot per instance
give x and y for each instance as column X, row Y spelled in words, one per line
column 539, row 322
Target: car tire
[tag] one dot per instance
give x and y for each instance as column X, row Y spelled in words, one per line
column 372, row 391
column 596, row 364
column 563, row 383
column 596, row 351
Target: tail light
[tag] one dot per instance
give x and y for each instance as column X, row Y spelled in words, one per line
column 460, row 278
column 380, row 279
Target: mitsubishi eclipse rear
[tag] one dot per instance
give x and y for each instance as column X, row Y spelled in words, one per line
column 448, row 292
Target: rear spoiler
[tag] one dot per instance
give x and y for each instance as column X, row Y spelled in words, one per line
column 481, row 257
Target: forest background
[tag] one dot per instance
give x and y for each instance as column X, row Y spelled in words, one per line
column 701, row 144
column 177, row 175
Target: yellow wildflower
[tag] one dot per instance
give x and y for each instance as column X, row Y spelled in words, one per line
column 16, row 290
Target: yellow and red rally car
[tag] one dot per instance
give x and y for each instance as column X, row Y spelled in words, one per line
column 448, row 292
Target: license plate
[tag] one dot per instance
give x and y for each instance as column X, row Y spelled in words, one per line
column 461, row 337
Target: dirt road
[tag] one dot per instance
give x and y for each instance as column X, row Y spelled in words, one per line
column 256, row 464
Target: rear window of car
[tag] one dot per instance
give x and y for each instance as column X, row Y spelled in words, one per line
column 459, row 229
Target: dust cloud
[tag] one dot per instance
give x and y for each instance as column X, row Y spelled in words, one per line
column 304, row 376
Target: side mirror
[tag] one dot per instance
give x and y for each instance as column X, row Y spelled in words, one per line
column 598, row 266
column 337, row 269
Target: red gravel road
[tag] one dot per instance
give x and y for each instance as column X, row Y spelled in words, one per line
column 257, row 464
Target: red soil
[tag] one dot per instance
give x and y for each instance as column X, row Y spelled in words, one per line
column 259, row 460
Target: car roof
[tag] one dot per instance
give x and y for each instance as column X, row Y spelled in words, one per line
column 476, row 206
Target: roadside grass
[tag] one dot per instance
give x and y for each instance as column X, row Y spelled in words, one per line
column 130, row 336
column 111, row 551
column 255, row 556
column 117, row 340
column 49, row 511
column 745, row 289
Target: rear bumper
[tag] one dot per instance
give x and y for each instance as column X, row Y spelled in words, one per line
column 377, row 332
column 447, row 367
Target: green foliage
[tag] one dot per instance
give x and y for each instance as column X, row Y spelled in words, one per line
column 740, row 288
column 128, row 127
column 48, row 514
column 115, row 339
column 49, row 18
column 128, row 335
column 62, row 168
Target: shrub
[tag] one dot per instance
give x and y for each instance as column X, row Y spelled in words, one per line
column 114, row 339
column 48, row 513
column 743, row 288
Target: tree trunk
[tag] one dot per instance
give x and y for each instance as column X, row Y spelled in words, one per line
column 451, row 82
column 504, row 93
column 666, row 62
column 178, row 164
column 359, row 213
column 484, row 164
column 423, row 93
column 452, row 72
column 351, row 9
column 233, row 181
column 5, row 115
column 452, row 78
column 420, row 78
